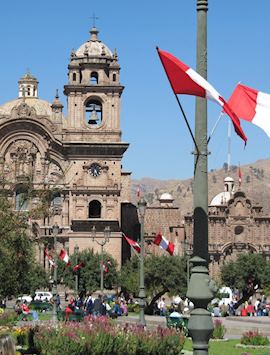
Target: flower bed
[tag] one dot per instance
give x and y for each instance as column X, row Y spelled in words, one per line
column 254, row 338
column 101, row 336
column 219, row 330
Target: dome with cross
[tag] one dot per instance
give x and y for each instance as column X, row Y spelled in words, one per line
column 93, row 47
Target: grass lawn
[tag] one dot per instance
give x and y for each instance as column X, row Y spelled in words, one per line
column 228, row 348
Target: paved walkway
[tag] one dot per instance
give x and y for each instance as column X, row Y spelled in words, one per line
column 235, row 326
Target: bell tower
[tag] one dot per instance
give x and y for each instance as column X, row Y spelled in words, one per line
column 94, row 90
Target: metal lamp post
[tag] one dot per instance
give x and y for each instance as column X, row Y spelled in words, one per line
column 142, row 208
column 200, row 290
column 76, row 251
column 55, row 231
column 107, row 234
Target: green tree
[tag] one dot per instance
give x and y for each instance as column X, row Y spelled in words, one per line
column 88, row 275
column 163, row 274
column 19, row 272
column 247, row 273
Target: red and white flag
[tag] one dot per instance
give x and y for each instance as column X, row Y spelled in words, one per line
column 64, row 256
column 133, row 244
column 163, row 243
column 251, row 105
column 138, row 192
column 78, row 266
column 50, row 258
column 185, row 80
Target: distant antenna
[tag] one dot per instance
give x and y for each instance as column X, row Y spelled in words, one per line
column 94, row 18
column 229, row 144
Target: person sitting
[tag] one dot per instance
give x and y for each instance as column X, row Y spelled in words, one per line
column 250, row 309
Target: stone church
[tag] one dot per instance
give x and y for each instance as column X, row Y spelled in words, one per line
column 236, row 225
column 73, row 163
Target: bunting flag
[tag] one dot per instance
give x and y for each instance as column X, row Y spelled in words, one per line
column 185, row 80
column 79, row 266
column 50, row 258
column 64, row 256
column 163, row 243
column 251, row 105
column 133, row 244
column 106, row 266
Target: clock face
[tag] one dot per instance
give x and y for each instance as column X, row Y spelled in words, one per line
column 95, row 169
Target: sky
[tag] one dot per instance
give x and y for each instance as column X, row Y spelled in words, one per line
column 39, row 36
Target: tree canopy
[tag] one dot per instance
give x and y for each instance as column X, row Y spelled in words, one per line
column 162, row 274
column 247, row 273
column 19, row 273
column 88, row 275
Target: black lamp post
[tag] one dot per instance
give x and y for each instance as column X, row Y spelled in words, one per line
column 76, row 251
column 106, row 239
column 142, row 208
column 55, row 231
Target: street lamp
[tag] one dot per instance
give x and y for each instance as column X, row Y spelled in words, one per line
column 76, row 251
column 200, row 289
column 55, row 231
column 107, row 234
column 142, row 208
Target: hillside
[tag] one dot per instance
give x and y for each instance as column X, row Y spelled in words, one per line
column 255, row 183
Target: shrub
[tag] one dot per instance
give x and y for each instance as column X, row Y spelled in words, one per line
column 8, row 318
column 133, row 307
column 254, row 338
column 219, row 329
column 102, row 336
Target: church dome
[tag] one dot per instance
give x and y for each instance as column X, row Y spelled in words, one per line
column 41, row 107
column 93, row 47
column 166, row 197
column 221, row 199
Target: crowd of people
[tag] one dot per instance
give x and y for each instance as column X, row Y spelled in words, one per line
column 252, row 308
column 96, row 306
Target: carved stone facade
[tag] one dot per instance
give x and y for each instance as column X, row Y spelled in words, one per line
column 78, row 158
column 236, row 225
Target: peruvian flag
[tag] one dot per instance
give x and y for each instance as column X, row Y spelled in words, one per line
column 133, row 244
column 50, row 258
column 164, row 243
column 64, row 256
column 185, row 80
column 251, row 105
column 79, row 266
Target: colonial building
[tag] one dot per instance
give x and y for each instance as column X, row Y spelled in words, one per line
column 68, row 170
column 236, row 225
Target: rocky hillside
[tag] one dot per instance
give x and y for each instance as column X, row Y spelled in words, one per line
column 255, row 183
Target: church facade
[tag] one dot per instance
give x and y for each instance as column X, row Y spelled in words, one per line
column 236, row 225
column 68, row 170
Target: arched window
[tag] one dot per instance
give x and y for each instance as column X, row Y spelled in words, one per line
column 94, row 209
column 74, row 76
column 21, row 199
column 114, row 77
column 94, row 78
column 28, row 91
column 93, row 113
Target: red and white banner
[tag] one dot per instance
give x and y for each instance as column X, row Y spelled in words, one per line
column 133, row 244
column 163, row 243
column 64, row 256
column 251, row 105
column 78, row 266
column 185, row 80
column 50, row 258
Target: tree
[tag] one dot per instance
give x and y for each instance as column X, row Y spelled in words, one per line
column 88, row 275
column 247, row 273
column 163, row 274
column 19, row 272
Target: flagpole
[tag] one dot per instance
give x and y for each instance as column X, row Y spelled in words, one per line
column 181, row 108
column 229, row 145
column 214, row 128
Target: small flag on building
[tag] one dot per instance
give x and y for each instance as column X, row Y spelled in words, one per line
column 163, row 243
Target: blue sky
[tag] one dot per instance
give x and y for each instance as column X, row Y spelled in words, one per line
column 40, row 36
